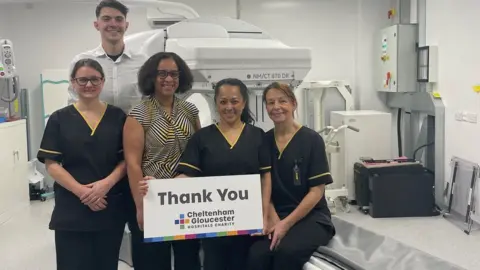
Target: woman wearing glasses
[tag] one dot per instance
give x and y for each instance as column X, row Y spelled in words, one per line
column 82, row 150
column 155, row 135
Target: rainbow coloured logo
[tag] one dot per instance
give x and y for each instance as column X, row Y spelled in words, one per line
column 182, row 221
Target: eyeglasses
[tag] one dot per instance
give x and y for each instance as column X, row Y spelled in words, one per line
column 165, row 73
column 82, row 81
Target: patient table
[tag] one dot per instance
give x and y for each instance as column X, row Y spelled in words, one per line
column 355, row 248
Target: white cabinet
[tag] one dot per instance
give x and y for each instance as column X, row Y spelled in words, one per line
column 373, row 140
column 14, row 189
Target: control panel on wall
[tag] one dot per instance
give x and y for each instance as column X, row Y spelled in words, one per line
column 396, row 59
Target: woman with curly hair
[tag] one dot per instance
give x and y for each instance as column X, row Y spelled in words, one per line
column 155, row 135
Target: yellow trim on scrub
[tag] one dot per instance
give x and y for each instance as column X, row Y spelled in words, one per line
column 225, row 137
column 85, row 118
column 190, row 166
column 318, row 176
column 265, row 168
column 281, row 151
column 50, row 151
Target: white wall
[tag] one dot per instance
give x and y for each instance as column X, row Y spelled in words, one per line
column 339, row 32
column 328, row 27
column 3, row 34
column 372, row 17
column 3, row 22
column 454, row 26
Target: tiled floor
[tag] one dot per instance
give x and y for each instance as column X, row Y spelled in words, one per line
column 27, row 244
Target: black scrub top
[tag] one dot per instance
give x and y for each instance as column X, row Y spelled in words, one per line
column 208, row 153
column 302, row 164
column 88, row 154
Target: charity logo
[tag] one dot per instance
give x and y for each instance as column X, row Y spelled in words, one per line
column 205, row 219
column 182, row 221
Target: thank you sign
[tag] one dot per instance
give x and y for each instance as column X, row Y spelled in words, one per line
column 202, row 207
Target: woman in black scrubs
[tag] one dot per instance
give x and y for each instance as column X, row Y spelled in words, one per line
column 230, row 147
column 300, row 171
column 82, row 150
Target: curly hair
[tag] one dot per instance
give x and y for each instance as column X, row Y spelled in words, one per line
column 148, row 73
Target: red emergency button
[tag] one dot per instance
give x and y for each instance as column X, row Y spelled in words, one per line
column 2, row 73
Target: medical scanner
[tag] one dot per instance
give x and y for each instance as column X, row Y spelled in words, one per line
column 219, row 48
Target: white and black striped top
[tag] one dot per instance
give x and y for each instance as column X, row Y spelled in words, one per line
column 166, row 136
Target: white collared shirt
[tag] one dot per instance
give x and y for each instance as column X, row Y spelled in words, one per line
column 120, row 88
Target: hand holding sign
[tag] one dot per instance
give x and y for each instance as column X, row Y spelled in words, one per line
column 202, row 207
column 143, row 185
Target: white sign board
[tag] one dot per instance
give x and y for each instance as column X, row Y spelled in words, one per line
column 202, row 207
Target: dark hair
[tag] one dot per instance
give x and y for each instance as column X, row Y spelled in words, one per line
column 246, row 116
column 148, row 73
column 285, row 88
column 87, row 62
column 111, row 4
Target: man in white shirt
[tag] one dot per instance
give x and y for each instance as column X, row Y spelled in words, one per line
column 121, row 67
column 120, row 64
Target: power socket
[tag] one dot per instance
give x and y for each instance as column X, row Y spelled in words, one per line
column 459, row 116
column 471, row 118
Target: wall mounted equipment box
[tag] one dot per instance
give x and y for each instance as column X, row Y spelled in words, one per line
column 396, row 59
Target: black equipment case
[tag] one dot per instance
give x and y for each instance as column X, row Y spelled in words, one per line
column 394, row 188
